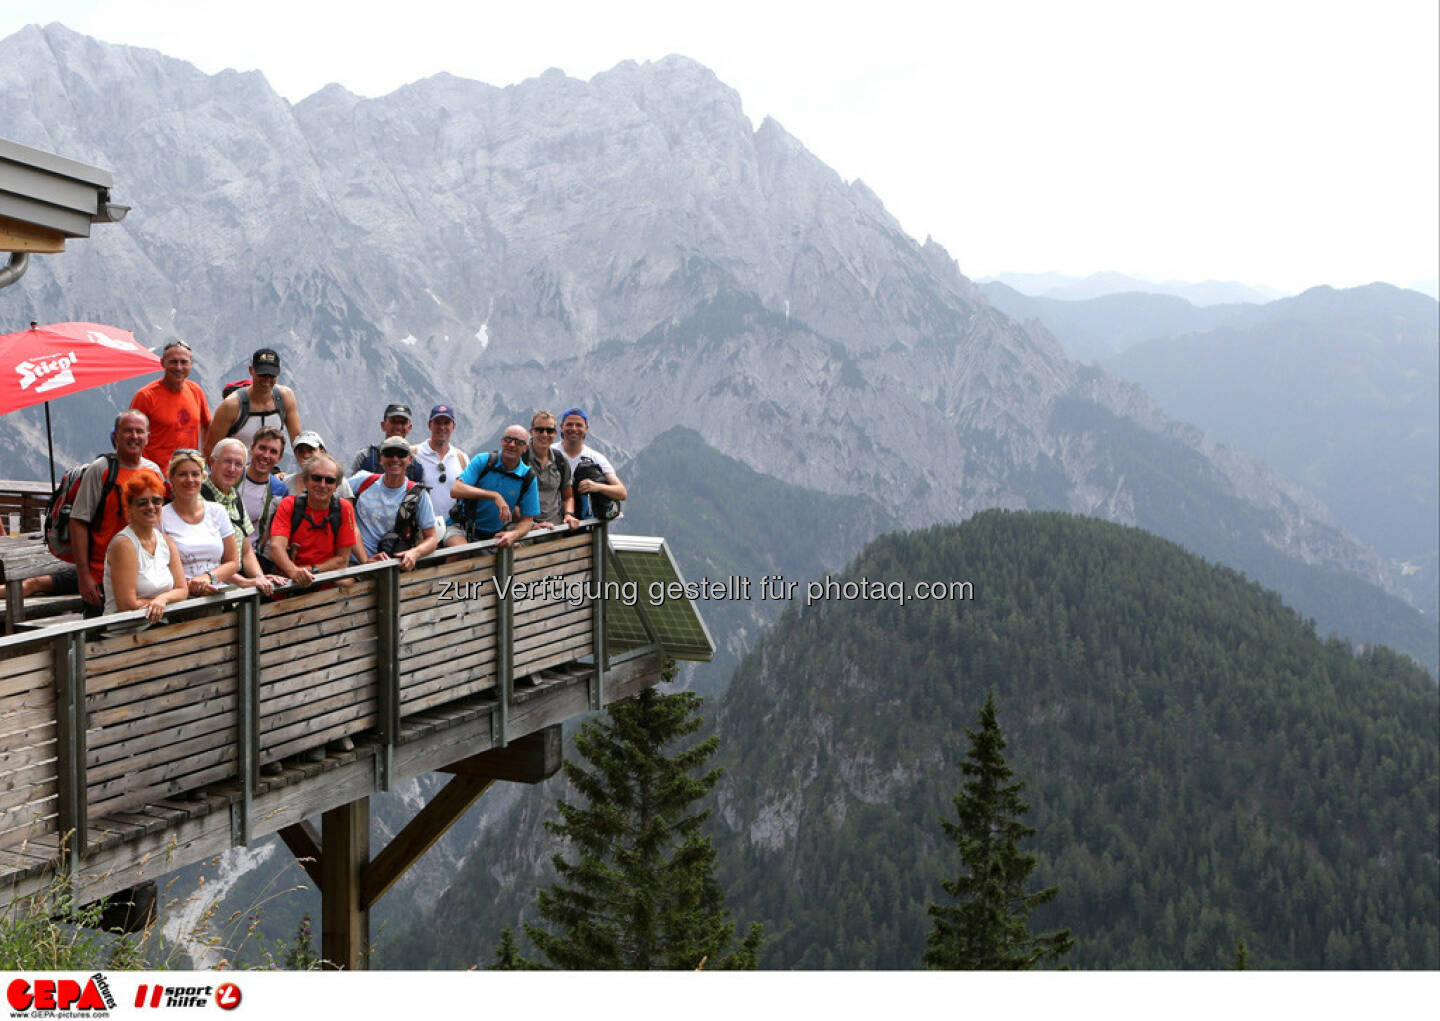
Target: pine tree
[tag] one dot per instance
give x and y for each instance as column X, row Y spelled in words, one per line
column 986, row 928
column 640, row 892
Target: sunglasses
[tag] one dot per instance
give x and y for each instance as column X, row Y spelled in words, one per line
column 512, row 439
column 543, row 429
column 328, row 480
column 392, row 453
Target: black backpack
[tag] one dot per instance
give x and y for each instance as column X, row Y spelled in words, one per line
column 465, row 512
column 601, row 506
column 243, row 415
column 405, row 532
column 297, row 515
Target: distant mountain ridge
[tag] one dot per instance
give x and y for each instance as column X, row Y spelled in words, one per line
column 1060, row 287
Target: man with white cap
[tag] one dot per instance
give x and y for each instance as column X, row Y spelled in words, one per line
column 307, row 445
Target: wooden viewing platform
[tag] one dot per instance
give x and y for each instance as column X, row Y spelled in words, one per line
column 124, row 756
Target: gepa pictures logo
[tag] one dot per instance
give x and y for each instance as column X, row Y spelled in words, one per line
column 58, row 369
column 60, row 997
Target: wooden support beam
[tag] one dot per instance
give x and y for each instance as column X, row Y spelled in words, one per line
column 530, row 759
column 304, row 844
column 17, row 236
column 419, row 835
column 344, row 856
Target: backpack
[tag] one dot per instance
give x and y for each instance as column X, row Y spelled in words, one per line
column 243, row 415
column 297, row 515
column 405, row 532
column 465, row 512
column 601, row 506
column 62, row 502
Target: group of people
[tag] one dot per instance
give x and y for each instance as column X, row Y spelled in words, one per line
column 191, row 502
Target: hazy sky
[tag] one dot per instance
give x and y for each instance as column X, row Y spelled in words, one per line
column 1283, row 144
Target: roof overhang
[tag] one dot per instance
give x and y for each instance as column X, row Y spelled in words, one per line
column 47, row 199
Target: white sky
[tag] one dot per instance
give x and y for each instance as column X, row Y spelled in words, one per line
column 1273, row 143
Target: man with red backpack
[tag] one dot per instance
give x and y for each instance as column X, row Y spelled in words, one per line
column 393, row 512
column 98, row 513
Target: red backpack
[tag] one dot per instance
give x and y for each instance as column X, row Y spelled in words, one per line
column 62, row 501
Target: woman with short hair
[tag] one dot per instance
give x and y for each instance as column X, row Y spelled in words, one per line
column 201, row 529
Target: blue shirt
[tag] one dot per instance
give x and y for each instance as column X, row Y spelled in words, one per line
column 487, row 517
column 375, row 510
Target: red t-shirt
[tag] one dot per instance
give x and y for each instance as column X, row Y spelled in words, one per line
column 176, row 420
column 315, row 539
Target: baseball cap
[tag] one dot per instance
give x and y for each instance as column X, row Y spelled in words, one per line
column 439, row 410
column 394, row 443
column 309, row 439
column 265, row 362
column 576, row 411
column 397, row 411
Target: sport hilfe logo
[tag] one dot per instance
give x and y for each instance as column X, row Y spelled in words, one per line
column 226, row 996
column 64, row 994
column 60, row 367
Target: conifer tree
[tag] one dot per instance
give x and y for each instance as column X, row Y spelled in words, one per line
column 639, row 891
column 987, row 925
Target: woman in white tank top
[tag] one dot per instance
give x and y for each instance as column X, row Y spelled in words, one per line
column 142, row 566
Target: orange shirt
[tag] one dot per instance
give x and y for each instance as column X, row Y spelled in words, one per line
column 314, row 540
column 176, row 420
column 104, row 522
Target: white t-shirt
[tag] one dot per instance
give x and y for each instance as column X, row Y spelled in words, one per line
column 432, row 464
column 585, row 451
column 153, row 569
column 202, row 545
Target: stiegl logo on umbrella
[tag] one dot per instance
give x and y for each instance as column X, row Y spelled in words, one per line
column 31, row 371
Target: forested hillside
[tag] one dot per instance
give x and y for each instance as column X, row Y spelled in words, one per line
column 1202, row 767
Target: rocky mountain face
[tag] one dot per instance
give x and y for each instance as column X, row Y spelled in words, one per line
column 628, row 242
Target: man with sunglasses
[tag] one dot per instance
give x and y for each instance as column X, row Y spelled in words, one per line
column 396, row 422
column 552, row 474
column 394, row 513
column 509, row 508
column 318, row 533
column 442, row 464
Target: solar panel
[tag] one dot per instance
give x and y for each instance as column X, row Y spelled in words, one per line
column 660, row 607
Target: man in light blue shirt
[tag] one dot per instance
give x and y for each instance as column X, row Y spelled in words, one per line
column 388, row 526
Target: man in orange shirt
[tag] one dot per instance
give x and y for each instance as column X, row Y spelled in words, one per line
column 178, row 412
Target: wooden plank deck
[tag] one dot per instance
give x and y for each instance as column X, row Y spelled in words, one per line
column 101, row 733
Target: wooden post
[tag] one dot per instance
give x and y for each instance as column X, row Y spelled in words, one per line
column 504, row 640
column 344, row 855
column 247, row 714
column 599, row 550
column 69, row 665
column 387, row 673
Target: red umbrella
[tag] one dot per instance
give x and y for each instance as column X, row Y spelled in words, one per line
column 42, row 363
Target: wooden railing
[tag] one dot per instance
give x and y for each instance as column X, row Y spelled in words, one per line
column 22, row 503
column 95, row 723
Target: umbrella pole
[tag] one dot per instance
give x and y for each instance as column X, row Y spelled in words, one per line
column 49, row 445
